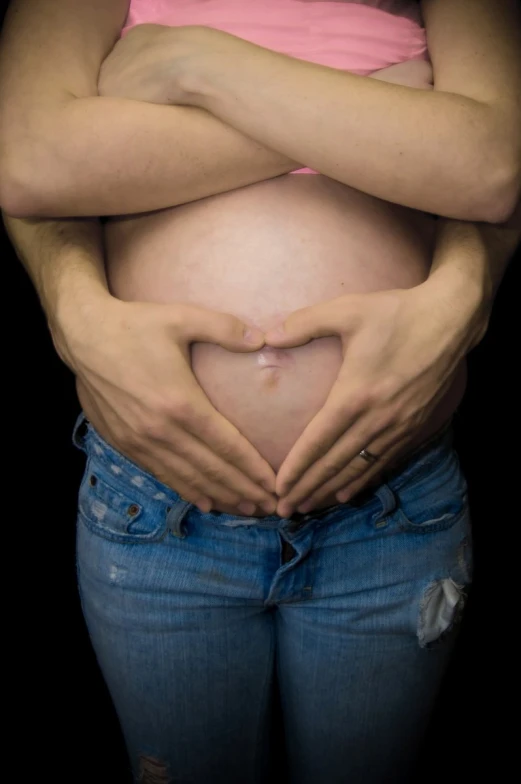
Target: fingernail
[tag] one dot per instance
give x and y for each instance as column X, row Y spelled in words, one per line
column 285, row 510
column 306, row 507
column 246, row 507
column 342, row 496
column 253, row 336
column 276, row 332
column 269, row 507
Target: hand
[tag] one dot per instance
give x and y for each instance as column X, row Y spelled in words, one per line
column 135, row 384
column 401, row 349
column 140, row 65
column 151, row 62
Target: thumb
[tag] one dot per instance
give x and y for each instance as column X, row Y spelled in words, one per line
column 203, row 325
column 317, row 321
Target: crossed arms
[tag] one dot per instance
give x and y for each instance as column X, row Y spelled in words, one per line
column 67, row 152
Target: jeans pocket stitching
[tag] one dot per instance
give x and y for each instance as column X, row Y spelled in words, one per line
column 115, row 456
column 441, row 523
column 109, row 508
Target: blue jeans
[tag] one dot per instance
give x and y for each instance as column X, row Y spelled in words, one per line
column 191, row 615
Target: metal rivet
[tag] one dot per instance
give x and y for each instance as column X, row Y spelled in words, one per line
column 93, row 480
column 133, row 510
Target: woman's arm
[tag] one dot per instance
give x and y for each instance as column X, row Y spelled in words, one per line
column 64, row 151
column 454, row 152
column 389, row 386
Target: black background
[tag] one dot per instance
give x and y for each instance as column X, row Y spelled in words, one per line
column 60, row 698
column 59, row 711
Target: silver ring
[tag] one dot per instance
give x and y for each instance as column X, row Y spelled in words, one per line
column 368, row 456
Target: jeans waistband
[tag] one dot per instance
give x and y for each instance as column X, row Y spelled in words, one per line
column 85, row 435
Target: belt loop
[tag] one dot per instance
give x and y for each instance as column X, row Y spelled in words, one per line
column 79, row 432
column 389, row 503
column 175, row 518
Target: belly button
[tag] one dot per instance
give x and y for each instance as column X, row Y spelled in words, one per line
column 269, row 357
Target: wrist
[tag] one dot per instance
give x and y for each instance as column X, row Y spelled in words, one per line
column 78, row 312
column 208, row 78
column 464, row 303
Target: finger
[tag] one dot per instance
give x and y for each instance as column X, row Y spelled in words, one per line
column 211, row 326
column 324, row 430
column 185, row 473
column 229, row 446
column 358, row 470
column 211, row 473
column 174, row 470
column 392, row 443
column 331, row 462
column 95, row 415
column 356, row 484
column 205, row 438
column 317, row 321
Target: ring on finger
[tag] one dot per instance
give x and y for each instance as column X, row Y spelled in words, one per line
column 368, row 456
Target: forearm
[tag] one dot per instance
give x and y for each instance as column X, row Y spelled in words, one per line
column 424, row 150
column 106, row 156
column 64, row 260
column 469, row 262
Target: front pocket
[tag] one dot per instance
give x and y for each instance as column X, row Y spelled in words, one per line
column 433, row 498
column 121, row 513
column 434, row 512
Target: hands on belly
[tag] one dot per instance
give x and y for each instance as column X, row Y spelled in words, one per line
column 400, row 359
column 402, row 354
column 136, row 387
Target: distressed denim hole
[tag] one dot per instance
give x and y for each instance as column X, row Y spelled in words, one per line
column 440, row 609
column 93, row 480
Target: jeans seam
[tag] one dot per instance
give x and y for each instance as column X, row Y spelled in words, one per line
column 260, row 724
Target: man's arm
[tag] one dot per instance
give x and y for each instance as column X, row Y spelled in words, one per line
column 403, row 349
column 454, row 152
column 64, row 259
column 131, row 361
column 65, row 151
column 396, row 382
column 469, row 263
column 436, row 324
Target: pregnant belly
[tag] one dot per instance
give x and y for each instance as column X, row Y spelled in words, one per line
column 260, row 253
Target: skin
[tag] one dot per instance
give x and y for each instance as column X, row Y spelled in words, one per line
column 325, row 460
column 70, row 277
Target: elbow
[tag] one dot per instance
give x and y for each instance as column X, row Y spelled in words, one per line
column 17, row 195
column 488, row 196
column 507, row 198
column 9, row 190
column 485, row 177
column 494, row 202
column 499, row 189
column 500, row 200
column 24, row 190
column 13, row 204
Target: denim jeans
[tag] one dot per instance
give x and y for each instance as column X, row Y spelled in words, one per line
column 355, row 609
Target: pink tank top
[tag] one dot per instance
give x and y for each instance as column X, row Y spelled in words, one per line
column 360, row 37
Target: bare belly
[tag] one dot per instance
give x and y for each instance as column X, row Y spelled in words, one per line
column 260, row 253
